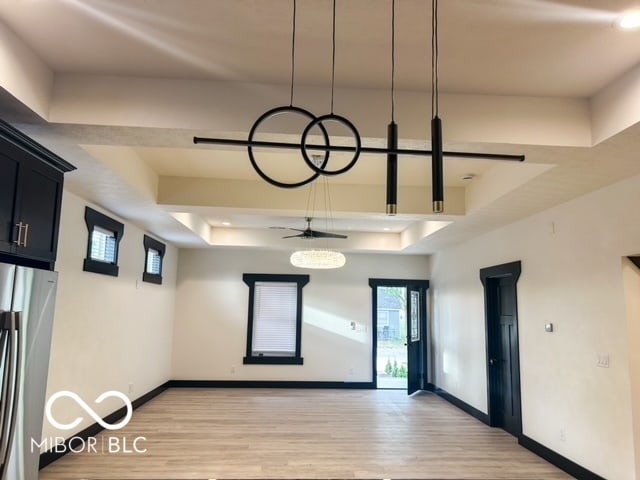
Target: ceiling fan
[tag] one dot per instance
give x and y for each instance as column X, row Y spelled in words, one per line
column 309, row 234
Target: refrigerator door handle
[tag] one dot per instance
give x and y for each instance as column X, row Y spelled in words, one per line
column 11, row 383
column 4, row 388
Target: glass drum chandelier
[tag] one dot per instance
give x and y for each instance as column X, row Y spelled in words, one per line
column 317, row 259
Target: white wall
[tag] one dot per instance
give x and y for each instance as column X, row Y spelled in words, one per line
column 210, row 329
column 632, row 299
column 108, row 331
column 572, row 277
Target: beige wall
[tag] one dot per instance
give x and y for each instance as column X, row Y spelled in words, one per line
column 572, row 277
column 211, row 315
column 109, row 332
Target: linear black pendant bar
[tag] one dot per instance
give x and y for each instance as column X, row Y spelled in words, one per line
column 346, row 148
column 392, row 169
column 437, row 178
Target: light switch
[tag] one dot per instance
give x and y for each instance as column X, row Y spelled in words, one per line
column 548, row 327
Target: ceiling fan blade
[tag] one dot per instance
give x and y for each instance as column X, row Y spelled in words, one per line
column 317, row 234
column 295, row 236
column 286, row 228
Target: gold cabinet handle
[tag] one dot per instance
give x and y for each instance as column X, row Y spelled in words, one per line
column 18, row 241
column 26, row 234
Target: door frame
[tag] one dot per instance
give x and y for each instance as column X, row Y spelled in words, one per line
column 512, row 271
column 423, row 287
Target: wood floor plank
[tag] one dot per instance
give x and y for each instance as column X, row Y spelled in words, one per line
column 195, row 434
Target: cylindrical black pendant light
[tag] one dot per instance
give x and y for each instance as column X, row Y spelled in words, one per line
column 436, row 165
column 437, row 173
column 392, row 169
column 392, row 129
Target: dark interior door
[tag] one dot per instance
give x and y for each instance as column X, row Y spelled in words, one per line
column 506, row 357
column 415, row 338
column 503, row 364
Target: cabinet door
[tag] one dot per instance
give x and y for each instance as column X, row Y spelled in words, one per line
column 8, row 180
column 38, row 207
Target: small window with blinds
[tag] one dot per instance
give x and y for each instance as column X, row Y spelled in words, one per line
column 153, row 255
column 275, row 318
column 103, row 245
column 104, row 237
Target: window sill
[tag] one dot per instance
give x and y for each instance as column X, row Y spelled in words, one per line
column 273, row 360
column 100, row 267
column 152, row 278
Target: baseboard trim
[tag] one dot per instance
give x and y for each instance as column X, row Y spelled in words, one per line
column 267, row 384
column 474, row 412
column 563, row 463
column 549, row 455
column 77, row 439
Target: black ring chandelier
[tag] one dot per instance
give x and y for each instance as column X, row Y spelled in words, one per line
column 319, row 167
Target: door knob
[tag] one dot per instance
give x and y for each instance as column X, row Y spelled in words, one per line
column 493, row 361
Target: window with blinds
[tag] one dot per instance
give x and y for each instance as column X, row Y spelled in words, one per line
column 153, row 261
column 275, row 318
column 104, row 236
column 103, row 245
column 153, row 255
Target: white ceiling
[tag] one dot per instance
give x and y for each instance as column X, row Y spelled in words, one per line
column 519, row 52
column 503, row 47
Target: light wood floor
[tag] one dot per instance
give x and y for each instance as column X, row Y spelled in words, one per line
column 306, row 434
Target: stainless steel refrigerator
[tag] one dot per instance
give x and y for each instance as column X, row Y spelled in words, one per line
column 27, row 298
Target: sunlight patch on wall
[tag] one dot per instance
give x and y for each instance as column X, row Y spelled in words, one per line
column 337, row 325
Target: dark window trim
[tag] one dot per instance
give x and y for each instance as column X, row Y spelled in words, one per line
column 250, row 279
column 94, row 219
column 160, row 247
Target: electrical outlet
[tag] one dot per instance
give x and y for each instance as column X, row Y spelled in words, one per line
column 233, row 369
column 130, row 387
column 563, row 435
column 603, row 360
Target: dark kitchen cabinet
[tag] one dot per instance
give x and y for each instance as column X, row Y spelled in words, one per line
column 31, row 181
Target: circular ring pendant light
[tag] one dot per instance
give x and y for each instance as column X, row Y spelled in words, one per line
column 332, row 117
column 321, row 170
column 316, row 168
column 280, row 111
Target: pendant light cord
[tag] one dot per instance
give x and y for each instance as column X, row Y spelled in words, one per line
column 434, row 58
column 293, row 51
column 393, row 58
column 333, row 56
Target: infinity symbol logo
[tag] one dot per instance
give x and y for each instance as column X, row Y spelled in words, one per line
column 89, row 410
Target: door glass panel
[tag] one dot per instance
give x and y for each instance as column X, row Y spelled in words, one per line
column 415, row 316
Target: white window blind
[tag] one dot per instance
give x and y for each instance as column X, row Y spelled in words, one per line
column 274, row 319
column 103, row 245
column 154, row 260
